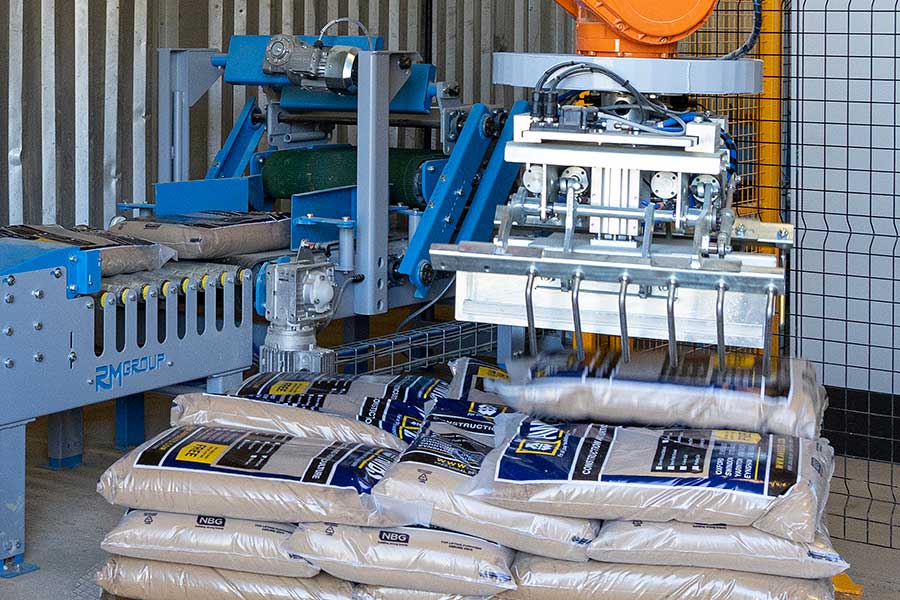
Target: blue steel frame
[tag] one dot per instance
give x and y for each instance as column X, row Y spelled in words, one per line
column 447, row 202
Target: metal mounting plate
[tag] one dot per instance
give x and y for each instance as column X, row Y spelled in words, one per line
column 650, row 75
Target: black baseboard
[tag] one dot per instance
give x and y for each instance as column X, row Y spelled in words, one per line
column 863, row 424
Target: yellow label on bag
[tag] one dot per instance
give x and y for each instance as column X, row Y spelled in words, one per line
column 491, row 373
column 286, row 388
column 201, row 452
column 737, row 436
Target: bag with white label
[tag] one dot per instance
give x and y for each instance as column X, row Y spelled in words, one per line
column 775, row 483
column 242, row 413
column 379, row 592
column 152, row 580
column 447, row 456
column 649, row 391
column 414, row 558
column 545, row 579
column 253, row 475
column 715, row 547
column 207, row 541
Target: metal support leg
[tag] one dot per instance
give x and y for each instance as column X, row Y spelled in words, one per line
column 670, row 314
column 12, row 501
column 510, row 343
column 767, row 332
column 66, row 439
column 720, row 324
column 529, row 311
column 576, row 316
column 370, row 297
column 129, row 421
column 623, row 319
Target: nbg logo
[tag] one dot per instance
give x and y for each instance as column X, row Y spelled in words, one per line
column 393, row 537
column 207, row 521
column 108, row 377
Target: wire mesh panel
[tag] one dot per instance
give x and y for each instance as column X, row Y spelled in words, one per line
column 843, row 196
column 417, row 349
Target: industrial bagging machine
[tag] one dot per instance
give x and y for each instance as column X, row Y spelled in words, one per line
column 302, row 233
column 623, row 222
column 620, row 221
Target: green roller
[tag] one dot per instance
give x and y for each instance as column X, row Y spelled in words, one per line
column 290, row 172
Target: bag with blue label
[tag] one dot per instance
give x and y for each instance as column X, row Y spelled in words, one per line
column 207, row 541
column 153, row 580
column 715, row 547
column 413, row 558
column 546, row 579
column 253, row 475
column 648, row 390
column 458, row 435
column 775, row 483
column 378, row 410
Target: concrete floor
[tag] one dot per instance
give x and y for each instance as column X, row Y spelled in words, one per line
column 66, row 519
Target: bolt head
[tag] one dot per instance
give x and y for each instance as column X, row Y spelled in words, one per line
column 9, row 298
column 73, row 356
column 170, row 364
column 38, row 326
column 10, row 280
column 7, row 331
column 57, row 272
column 89, row 306
column 9, row 363
column 38, row 294
column 39, row 357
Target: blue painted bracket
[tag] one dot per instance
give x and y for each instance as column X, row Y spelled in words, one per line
column 315, row 215
column 82, row 267
column 447, row 202
column 187, row 197
column 243, row 63
column 415, row 96
column 234, row 157
column 430, row 175
column 497, row 180
column 15, row 566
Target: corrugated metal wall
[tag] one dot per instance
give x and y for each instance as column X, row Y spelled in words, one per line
column 80, row 96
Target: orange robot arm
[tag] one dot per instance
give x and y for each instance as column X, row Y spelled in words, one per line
column 646, row 28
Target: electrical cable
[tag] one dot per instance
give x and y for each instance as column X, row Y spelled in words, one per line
column 356, row 22
column 754, row 35
column 336, row 305
column 425, row 307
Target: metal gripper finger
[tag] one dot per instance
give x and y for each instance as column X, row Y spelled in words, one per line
column 576, row 315
column 670, row 314
column 623, row 319
column 767, row 332
column 720, row 323
column 529, row 313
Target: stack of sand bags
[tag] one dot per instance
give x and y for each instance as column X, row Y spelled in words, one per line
column 213, row 500
column 722, row 498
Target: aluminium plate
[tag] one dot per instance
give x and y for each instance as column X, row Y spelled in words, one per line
column 483, row 257
column 650, row 75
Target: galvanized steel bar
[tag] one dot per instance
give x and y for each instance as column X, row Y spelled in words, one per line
column 720, row 323
column 48, row 112
column 111, row 170
column 82, row 116
column 139, row 112
column 214, row 125
column 14, row 123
